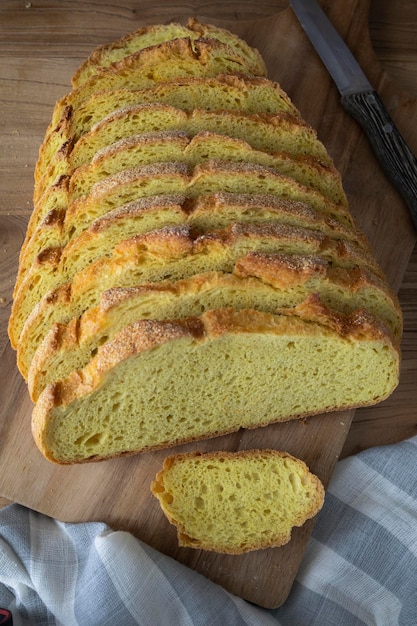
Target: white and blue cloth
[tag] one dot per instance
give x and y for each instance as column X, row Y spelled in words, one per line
column 359, row 568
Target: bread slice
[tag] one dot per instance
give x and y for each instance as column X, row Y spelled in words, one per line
column 223, row 93
column 201, row 253
column 147, row 36
column 263, row 495
column 264, row 282
column 215, row 373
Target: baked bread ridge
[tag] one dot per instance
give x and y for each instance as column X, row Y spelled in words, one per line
column 147, row 36
column 223, row 92
column 351, row 362
column 204, row 213
column 270, row 236
column 177, row 146
column 172, row 252
column 277, row 132
column 262, row 494
column 172, row 146
column 204, row 145
column 205, row 178
column 53, row 230
column 168, row 178
column 151, row 66
column 258, row 281
column 270, row 132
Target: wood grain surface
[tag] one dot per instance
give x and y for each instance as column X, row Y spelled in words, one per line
column 42, row 43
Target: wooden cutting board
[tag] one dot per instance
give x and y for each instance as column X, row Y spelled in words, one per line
column 117, row 491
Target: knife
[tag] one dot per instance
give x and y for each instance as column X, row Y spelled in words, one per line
column 361, row 101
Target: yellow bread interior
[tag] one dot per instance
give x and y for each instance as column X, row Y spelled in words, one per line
column 262, row 494
column 214, row 375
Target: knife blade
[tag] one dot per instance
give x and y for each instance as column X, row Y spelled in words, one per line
column 361, row 101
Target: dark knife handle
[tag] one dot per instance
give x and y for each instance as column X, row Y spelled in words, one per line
column 397, row 160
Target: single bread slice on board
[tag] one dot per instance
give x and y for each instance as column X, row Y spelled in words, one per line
column 160, row 383
column 263, row 495
column 265, row 237
column 223, row 92
column 170, row 253
column 147, row 36
column 258, row 281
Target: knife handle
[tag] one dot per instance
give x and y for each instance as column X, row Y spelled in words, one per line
column 395, row 157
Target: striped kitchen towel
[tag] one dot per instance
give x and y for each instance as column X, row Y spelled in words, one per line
column 360, row 566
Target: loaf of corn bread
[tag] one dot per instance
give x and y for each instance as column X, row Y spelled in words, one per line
column 191, row 265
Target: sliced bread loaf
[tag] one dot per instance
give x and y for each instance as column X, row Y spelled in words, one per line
column 263, row 495
column 172, row 253
column 147, row 68
column 216, row 373
column 258, row 281
column 187, row 224
column 269, row 236
column 222, row 93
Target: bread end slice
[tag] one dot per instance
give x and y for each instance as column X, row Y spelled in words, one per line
column 237, row 502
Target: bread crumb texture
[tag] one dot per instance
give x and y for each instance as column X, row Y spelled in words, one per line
column 237, row 502
column 162, row 383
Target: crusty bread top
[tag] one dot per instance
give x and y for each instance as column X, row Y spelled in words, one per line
column 147, row 36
